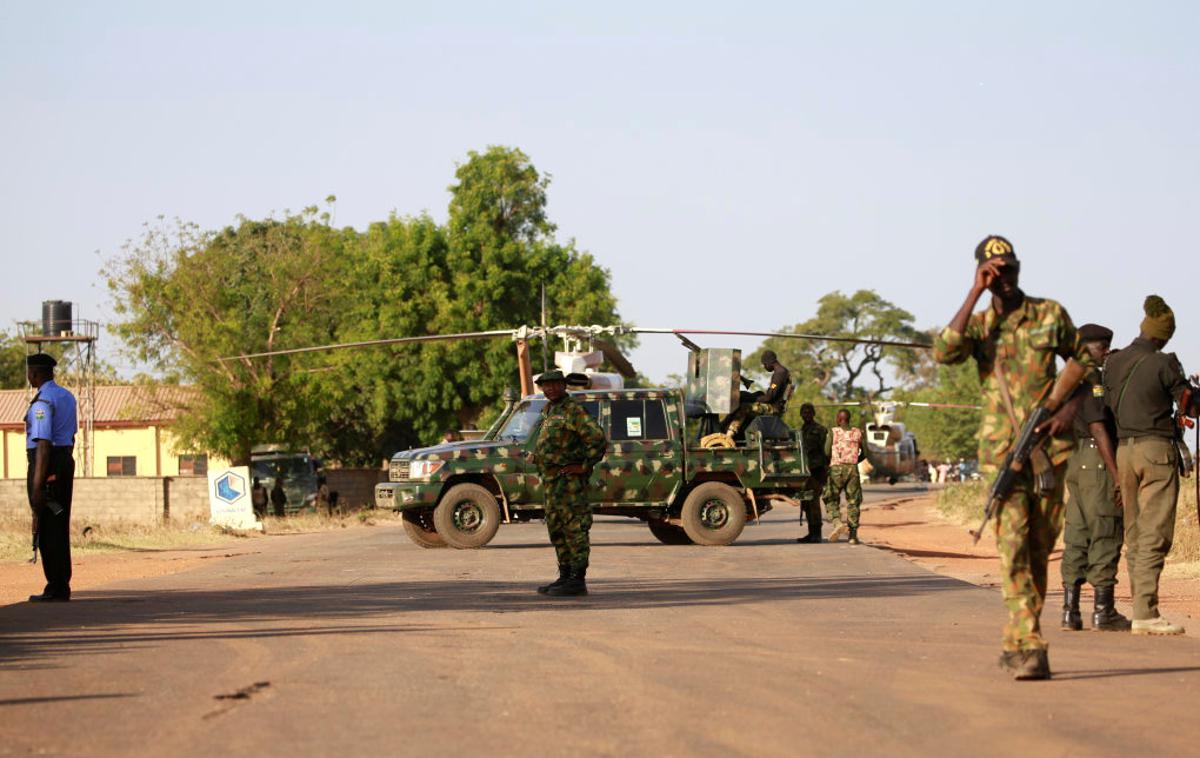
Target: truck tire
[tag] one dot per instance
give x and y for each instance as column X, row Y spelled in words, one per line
column 467, row 516
column 669, row 534
column 418, row 525
column 713, row 514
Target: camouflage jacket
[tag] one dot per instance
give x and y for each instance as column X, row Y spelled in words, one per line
column 568, row 435
column 1026, row 343
column 812, row 436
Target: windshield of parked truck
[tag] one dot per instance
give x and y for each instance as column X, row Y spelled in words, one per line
column 523, row 419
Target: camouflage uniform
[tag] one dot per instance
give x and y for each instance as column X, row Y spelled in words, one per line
column 843, row 448
column 1026, row 343
column 568, row 435
column 812, row 438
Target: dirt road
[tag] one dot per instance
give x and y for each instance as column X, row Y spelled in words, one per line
column 358, row 642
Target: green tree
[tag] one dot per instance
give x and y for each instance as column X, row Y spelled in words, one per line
column 12, row 362
column 189, row 298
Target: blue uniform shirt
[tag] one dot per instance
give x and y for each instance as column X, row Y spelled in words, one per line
column 51, row 416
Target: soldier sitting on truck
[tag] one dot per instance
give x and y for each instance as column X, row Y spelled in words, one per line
column 753, row 404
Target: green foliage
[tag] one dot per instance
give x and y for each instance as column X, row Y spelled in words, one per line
column 963, row 502
column 12, row 362
column 945, row 433
column 840, row 370
column 189, row 297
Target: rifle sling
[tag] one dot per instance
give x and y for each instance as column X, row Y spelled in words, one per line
column 1039, row 459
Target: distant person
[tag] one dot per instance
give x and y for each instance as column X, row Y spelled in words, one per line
column 50, row 425
column 451, row 435
column 324, row 503
column 279, row 498
column 812, row 438
column 943, row 472
column 1093, row 532
column 962, row 470
column 1143, row 385
column 843, row 445
column 258, row 498
column 933, row 472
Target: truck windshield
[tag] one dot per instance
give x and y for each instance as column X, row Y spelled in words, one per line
column 523, row 419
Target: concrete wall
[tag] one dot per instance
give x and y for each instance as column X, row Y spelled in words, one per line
column 355, row 486
column 141, row 500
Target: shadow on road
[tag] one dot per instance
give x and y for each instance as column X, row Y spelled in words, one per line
column 102, row 621
column 1105, row 674
column 64, row 698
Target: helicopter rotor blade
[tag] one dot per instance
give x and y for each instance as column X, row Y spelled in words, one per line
column 377, row 343
column 614, row 356
column 786, row 335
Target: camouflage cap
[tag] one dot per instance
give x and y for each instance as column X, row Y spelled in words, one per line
column 1095, row 333
column 994, row 246
column 550, row 376
column 40, row 360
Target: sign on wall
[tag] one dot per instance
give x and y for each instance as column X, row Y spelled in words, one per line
column 229, row 498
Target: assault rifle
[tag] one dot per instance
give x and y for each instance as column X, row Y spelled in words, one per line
column 1031, row 438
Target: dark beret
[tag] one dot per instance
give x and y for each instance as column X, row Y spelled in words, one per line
column 40, row 360
column 1095, row 333
column 550, row 376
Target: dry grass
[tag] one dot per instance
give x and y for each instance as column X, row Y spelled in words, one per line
column 963, row 504
column 15, row 538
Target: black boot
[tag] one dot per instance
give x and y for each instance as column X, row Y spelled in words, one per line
column 1034, row 664
column 853, row 540
column 574, row 585
column 1072, row 619
column 1106, row 618
column 564, row 573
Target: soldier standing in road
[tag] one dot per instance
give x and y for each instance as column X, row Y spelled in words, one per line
column 812, row 438
column 1093, row 531
column 1142, row 385
column 50, row 425
column 1015, row 343
column 569, row 444
column 843, row 449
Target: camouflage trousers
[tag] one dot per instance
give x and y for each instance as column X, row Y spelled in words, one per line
column 747, row 412
column 569, row 519
column 843, row 478
column 1026, row 529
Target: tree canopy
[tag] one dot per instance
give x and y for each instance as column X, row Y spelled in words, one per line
column 188, row 297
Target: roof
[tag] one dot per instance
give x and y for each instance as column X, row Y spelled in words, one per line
column 120, row 406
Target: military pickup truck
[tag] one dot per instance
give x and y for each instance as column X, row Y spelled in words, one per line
column 459, row 493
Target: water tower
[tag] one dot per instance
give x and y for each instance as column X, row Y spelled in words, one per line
column 73, row 344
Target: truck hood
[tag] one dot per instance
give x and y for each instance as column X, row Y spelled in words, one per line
column 454, row 450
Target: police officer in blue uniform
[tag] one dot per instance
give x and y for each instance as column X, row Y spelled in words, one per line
column 50, row 426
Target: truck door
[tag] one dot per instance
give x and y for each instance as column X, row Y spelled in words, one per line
column 642, row 452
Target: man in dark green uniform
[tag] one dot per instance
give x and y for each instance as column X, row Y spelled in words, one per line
column 569, row 444
column 812, row 438
column 1142, row 386
column 768, row 403
column 1093, row 531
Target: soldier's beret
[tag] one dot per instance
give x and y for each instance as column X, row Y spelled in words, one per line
column 1095, row 333
column 994, row 246
column 550, row 376
column 40, row 360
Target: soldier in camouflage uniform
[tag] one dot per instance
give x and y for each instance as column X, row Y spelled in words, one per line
column 569, row 444
column 843, row 450
column 1015, row 343
column 812, row 437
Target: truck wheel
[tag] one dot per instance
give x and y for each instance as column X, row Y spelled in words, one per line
column 418, row 525
column 467, row 516
column 669, row 534
column 713, row 514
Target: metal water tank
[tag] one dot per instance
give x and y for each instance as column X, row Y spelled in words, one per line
column 56, row 318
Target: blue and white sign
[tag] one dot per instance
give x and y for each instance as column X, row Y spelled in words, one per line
column 229, row 498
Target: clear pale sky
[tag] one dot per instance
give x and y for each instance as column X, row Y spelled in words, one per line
column 728, row 164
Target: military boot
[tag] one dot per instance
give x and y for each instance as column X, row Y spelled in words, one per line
column 575, row 584
column 1106, row 618
column 838, row 530
column 564, row 573
column 853, row 539
column 1010, row 660
column 1072, row 619
column 1033, row 664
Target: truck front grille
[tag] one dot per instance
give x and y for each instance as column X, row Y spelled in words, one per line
column 398, row 471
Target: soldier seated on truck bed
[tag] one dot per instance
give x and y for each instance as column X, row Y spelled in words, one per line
column 769, row 403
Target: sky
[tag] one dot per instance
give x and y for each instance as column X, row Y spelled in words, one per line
column 729, row 165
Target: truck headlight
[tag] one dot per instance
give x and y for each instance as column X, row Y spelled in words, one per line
column 424, row 469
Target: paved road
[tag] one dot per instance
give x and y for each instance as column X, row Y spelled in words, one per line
column 358, row 642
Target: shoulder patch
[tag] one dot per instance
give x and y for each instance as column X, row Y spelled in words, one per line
column 39, row 414
column 1097, row 390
